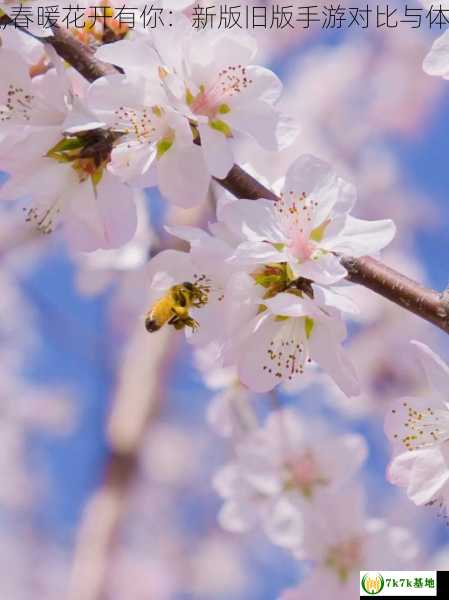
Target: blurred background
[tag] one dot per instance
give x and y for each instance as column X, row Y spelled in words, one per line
column 108, row 443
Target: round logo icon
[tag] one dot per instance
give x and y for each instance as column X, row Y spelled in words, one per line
column 372, row 583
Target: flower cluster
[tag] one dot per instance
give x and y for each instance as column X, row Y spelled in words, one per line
column 418, row 429
column 170, row 121
column 260, row 293
column 266, row 283
column 297, row 482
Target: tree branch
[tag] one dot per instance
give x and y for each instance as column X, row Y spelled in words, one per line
column 372, row 274
column 78, row 55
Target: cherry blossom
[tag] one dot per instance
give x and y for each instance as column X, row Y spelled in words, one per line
column 341, row 541
column 258, row 288
column 210, row 80
column 308, row 226
column 279, row 470
column 225, row 95
column 63, row 177
column 418, row 428
column 154, row 144
column 274, row 336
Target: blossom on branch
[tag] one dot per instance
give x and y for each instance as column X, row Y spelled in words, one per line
column 308, row 226
column 62, row 175
column 210, row 82
column 281, row 306
column 154, row 144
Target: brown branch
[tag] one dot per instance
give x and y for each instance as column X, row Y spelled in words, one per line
column 407, row 293
column 424, row 302
column 75, row 53
column 243, row 185
column 78, row 55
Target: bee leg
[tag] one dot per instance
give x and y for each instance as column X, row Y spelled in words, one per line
column 194, row 325
column 177, row 322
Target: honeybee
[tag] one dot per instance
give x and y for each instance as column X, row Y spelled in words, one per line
column 174, row 307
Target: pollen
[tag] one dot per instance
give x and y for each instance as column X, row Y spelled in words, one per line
column 19, row 105
column 296, row 210
column 213, row 99
column 44, row 220
column 286, row 355
column 139, row 124
column 425, row 427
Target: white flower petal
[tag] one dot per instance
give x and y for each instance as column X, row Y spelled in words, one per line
column 436, row 369
column 437, row 61
column 325, row 270
column 265, row 86
column 258, row 120
column 287, row 305
column 182, row 175
column 102, row 218
column 423, row 473
column 217, row 151
column 326, row 296
column 362, row 238
column 124, row 52
column 405, row 418
column 325, row 190
column 255, row 221
column 325, row 349
column 131, row 160
column 251, row 253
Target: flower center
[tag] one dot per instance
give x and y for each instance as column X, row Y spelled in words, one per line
column 345, row 557
column 140, row 124
column 145, row 126
column 425, row 427
column 305, row 474
column 296, row 216
column 212, row 100
column 301, row 246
